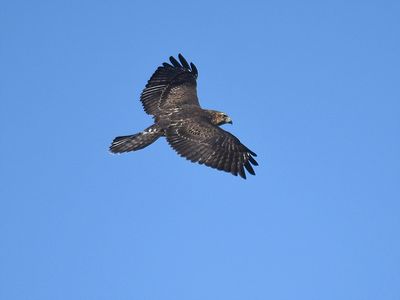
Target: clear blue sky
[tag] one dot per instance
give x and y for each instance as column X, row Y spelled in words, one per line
column 313, row 89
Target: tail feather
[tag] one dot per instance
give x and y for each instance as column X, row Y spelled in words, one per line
column 136, row 141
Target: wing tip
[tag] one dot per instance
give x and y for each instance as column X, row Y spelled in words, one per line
column 174, row 62
column 252, row 160
column 249, row 168
column 194, row 69
column 182, row 63
column 242, row 173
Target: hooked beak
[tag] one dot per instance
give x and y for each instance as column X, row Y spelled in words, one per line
column 228, row 120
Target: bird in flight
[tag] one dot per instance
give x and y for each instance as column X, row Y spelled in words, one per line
column 170, row 96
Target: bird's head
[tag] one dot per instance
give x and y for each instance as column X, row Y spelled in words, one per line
column 220, row 118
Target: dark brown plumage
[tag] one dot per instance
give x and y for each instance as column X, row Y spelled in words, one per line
column 171, row 97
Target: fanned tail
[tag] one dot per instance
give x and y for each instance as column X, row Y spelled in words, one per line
column 136, row 141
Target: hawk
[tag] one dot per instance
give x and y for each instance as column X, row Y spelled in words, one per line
column 170, row 96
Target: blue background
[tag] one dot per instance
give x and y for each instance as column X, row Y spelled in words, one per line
column 313, row 89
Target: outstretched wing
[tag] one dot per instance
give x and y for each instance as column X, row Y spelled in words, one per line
column 171, row 85
column 207, row 144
